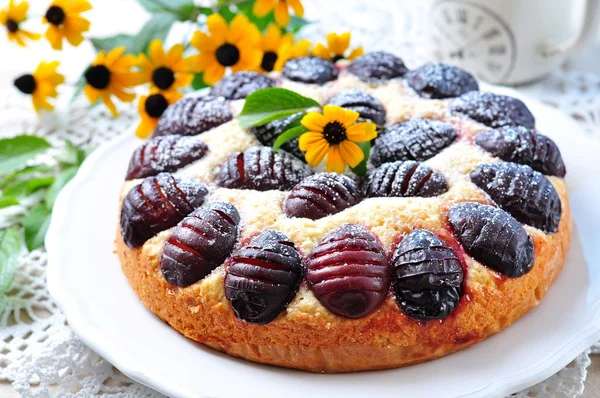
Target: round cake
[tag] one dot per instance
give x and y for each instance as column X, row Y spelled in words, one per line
column 458, row 228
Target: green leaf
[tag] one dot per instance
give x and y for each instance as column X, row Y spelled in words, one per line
column 287, row 135
column 183, row 9
column 10, row 247
column 297, row 23
column 23, row 188
column 270, row 104
column 245, row 7
column 7, row 201
column 16, row 151
column 27, row 170
column 157, row 27
column 108, row 43
column 59, row 182
column 198, row 82
column 35, row 226
column 361, row 169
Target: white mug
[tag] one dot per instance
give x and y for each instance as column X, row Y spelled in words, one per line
column 510, row 41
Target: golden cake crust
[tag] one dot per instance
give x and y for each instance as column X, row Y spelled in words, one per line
column 306, row 335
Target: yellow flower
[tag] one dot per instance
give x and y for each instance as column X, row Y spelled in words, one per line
column 336, row 48
column 151, row 107
column 282, row 14
column 111, row 73
column 271, row 45
column 234, row 46
column 41, row 85
column 12, row 17
column 65, row 22
column 333, row 134
column 165, row 71
column 291, row 50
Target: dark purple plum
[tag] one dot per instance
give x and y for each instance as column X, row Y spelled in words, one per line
column 408, row 178
column 367, row 106
column 157, row 204
column 492, row 237
column 415, row 139
column 526, row 194
column 263, row 277
column 200, row 243
column 519, row 144
column 321, row 195
column 311, row 70
column 439, row 81
column 165, row 154
column 193, row 116
column 427, row 276
column 493, row 110
column 239, row 85
column 268, row 133
column 348, row 272
column 377, row 67
column 261, row 169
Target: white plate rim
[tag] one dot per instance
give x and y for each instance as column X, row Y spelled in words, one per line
column 122, row 360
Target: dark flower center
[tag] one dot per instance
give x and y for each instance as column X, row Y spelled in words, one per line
column 228, row 54
column 155, row 105
column 163, row 78
column 268, row 61
column 98, row 76
column 337, row 58
column 12, row 25
column 26, row 84
column 55, row 15
column 334, row 133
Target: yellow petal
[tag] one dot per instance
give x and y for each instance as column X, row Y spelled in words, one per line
column 109, row 104
column 338, row 44
column 263, row 7
column 272, row 39
column 54, row 37
column 91, row 93
column 183, row 79
column 157, row 54
column 357, row 52
column 337, row 113
column 306, row 140
column 316, row 152
column 213, row 74
column 301, row 48
column 361, row 132
column 297, row 7
column 77, row 6
column 335, row 163
column 31, row 35
column 314, row 121
column 322, row 52
column 217, row 26
column 282, row 14
column 113, row 55
column 204, row 43
column 174, row 55
column 146, row 126
column 18, row 12
column 351, row 153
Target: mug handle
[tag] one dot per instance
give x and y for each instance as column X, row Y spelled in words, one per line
column 590, row 22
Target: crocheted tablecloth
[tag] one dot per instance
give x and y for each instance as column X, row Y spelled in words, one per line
column 40, row 355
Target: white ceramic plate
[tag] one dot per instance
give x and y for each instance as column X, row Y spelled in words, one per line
column 84, row 277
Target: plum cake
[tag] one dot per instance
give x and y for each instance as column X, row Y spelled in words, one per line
column 458, row 228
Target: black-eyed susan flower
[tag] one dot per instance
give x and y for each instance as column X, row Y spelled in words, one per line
column 65, row 22
column 292, row 50
column 336, row 48
column 225, row 47
column 12, row 17
column 151, row 107
column 41, row 84
column 165, row 71
column 111, row 74
column 271, row 44
column 333, row 134
column 281, row 7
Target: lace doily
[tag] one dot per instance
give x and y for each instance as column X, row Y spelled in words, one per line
column 39, row 353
